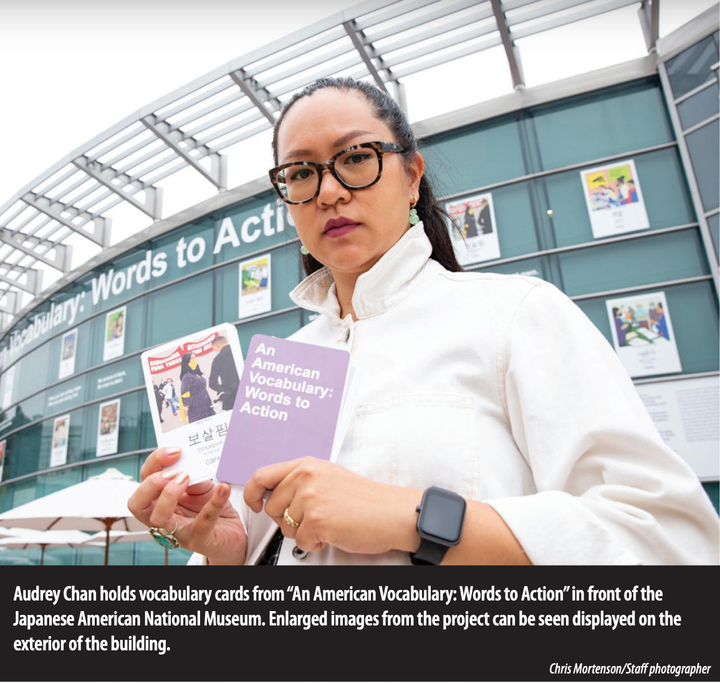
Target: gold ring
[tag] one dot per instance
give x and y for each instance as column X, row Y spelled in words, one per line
column 289, row 520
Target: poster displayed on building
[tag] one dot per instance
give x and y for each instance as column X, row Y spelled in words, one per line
column 687, row 415
column 114, row 344
column 3, row 447
column 68, row 351
column 60, row 438
column 643, row 334
column 8, row 388
column 614, row 199
column 478, row 239
column 108, row 428
column 192, row 383
column 255, row 287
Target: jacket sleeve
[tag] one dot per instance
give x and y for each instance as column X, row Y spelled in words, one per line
column 609, row 491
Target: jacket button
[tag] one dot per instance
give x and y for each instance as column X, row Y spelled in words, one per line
column 299, row 554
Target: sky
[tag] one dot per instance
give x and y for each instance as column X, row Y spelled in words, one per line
column 71, row 69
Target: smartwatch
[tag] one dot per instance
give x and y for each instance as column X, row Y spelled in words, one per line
column 440, row 522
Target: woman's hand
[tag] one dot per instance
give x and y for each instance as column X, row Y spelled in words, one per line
column 334, row 506
column 207, row 522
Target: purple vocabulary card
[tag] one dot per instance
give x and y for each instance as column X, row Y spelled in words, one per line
column 287, row 406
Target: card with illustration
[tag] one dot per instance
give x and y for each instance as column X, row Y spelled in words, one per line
column 192, row 383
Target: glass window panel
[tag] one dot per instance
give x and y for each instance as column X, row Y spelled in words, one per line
column 251, row 226
column 699, row 107
column 276, row 326
column 83, row 346
column 285, row 273
column 28, row 411
column 65, row 396
column 150, row 553
column 6, row 498
column 24, row 452
column 129, row 426
column 663, row 186
column 32, row 372
column 516, row 224
column 114, row 378
column 714, row 225
column 633, row 263
column 602, row 124
column 50, row 482
column 534, row 267
column 134, row 330
column 475, row 156
column 694, row 316
column 713, row 492
column 691, row 67
column 704, row 145
column 182, row 309
column 119, row 554
column 61, row 556
column 147, row 431
column 75, row 438
column 24, row 492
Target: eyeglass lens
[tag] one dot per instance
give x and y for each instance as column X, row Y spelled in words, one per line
column 357, row 168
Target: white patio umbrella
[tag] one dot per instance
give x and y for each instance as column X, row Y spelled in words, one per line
column 7, row 532
column 96, row 504
column 31, row 538
column 99, row 539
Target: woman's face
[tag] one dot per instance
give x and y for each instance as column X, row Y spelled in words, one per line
column 317, row 127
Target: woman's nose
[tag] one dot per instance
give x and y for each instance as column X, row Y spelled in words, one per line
column 331, row 189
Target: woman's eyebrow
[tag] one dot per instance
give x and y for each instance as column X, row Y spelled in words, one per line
column 340, row 141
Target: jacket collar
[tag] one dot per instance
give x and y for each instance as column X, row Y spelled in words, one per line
column 377, row 290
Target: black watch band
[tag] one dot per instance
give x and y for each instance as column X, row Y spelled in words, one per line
column 429, row 552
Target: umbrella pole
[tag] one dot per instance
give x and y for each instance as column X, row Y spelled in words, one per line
column 166, row 557
column 42, row 555
column 108, row 524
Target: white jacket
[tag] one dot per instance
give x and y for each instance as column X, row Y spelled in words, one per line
column 499, row 388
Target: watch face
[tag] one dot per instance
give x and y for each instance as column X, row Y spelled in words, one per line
column 442, row 515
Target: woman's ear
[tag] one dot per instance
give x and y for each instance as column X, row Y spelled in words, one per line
column 415, row 169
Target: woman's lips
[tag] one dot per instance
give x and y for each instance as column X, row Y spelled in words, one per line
column 341, row 230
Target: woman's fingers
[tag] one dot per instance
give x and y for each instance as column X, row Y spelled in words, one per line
column 266, row 479
column 141, row 502
column 167, row 502
column 158, row 460
column 204, row 523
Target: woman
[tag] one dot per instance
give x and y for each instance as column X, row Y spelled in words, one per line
column 193, row 390
column 494, row 388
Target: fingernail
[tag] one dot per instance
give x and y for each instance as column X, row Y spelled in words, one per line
column 172, row 451
column 224, row 491
column 170, row 474
column 182, row 478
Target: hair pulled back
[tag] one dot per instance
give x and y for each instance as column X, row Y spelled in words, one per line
column 433, row 216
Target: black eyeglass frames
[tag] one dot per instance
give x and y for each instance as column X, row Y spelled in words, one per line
column 355, row 168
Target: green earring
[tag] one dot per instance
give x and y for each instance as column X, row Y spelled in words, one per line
column 303, row 250
column 413, row 219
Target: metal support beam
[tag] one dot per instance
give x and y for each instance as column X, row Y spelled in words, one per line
column 105, row 176
column 400, row 96
column 18, row 240
column 172, row 138
column 32, row 284
column 258, row 96
column 649, row 15
column 511, row 51
column 12, row 302
column 361, row 45
column 100, row 233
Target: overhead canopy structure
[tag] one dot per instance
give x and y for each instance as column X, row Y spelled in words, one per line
column 191, row 128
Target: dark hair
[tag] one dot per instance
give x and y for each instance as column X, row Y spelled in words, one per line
column 389, row 112
column 185, row 366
